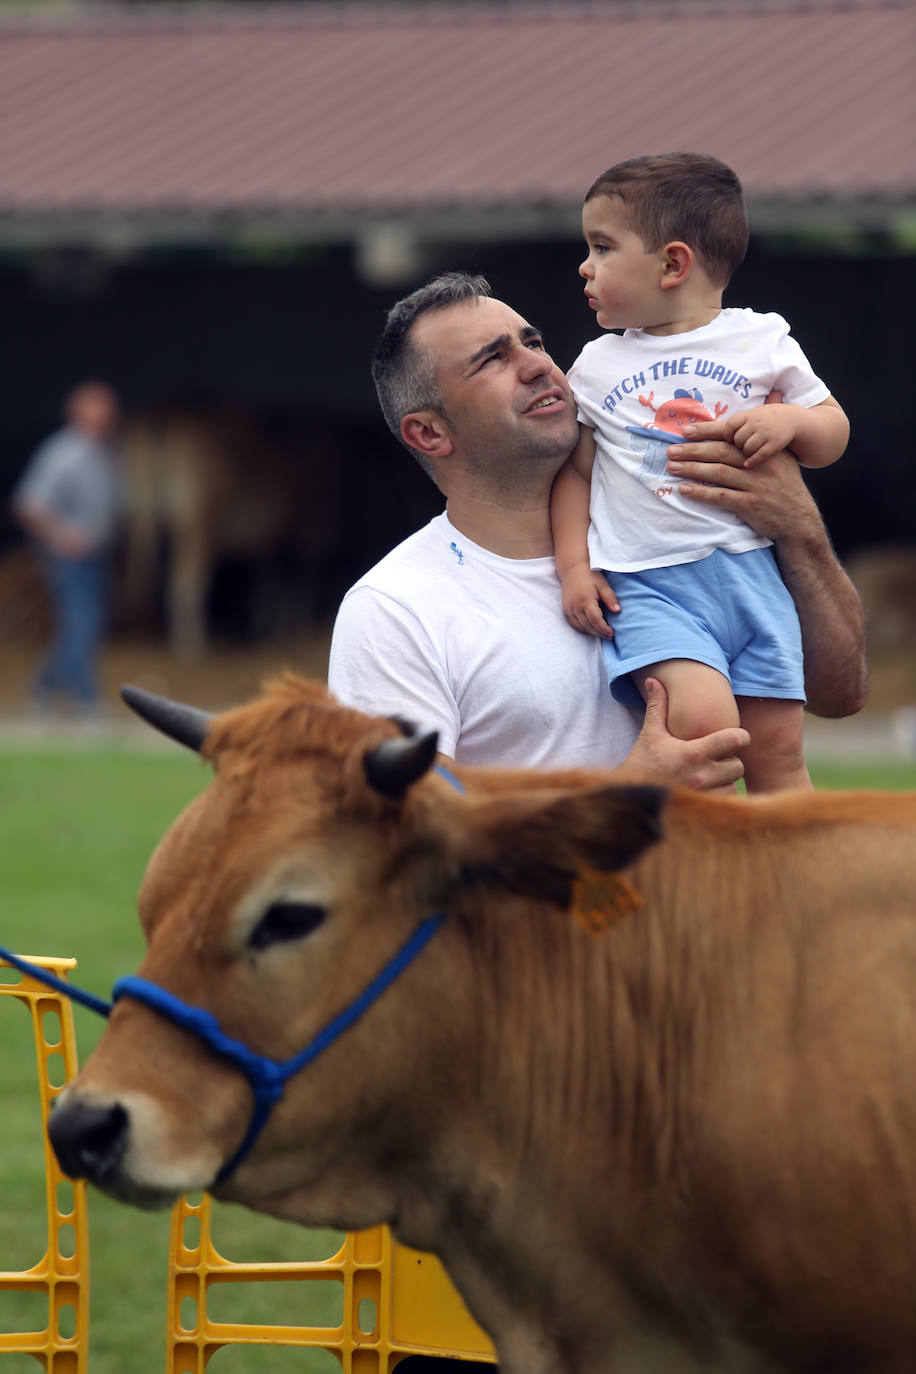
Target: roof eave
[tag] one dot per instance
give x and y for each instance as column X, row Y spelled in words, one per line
column 130, row 230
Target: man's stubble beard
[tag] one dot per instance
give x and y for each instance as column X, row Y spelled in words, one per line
column 522, row 464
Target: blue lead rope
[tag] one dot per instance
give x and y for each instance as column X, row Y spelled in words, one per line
column 267, row 1077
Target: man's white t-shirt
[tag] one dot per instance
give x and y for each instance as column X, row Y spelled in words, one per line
column 631, row 386
column 457, row 639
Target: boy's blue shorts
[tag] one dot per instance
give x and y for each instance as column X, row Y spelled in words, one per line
column 731, row 611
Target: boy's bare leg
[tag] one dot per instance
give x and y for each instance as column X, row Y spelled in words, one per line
column 774, row 760
column 700, row 700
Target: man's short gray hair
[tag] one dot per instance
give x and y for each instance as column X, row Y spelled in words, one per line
column 404, row 373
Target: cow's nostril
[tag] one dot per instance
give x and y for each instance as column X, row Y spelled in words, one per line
column 89, row 1141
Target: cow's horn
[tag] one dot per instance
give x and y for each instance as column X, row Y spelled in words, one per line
column 395, row 763
column 186, row 724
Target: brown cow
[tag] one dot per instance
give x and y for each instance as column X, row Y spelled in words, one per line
column 671, row 1131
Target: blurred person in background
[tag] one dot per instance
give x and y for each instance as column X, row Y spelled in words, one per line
column 69, row 501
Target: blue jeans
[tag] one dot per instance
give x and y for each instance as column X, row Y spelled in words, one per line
column 77, row 587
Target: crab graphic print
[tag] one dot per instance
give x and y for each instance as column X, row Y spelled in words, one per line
column 666, row 427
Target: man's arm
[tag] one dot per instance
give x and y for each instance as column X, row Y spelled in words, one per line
column 57, row 534
column 774, row 500
column 37, row 495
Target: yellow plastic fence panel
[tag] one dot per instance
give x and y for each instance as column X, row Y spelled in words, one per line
column 405, row 1295
column 62, row 1274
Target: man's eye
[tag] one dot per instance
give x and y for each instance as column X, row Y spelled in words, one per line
column 285, row 921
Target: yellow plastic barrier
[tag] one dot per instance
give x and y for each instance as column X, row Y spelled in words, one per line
column 63, row 1272
column 411, row 1304
column 397, row 1302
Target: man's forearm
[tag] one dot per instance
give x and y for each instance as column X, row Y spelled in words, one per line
column 832, row 622
column 56, row 533
column 774, row 500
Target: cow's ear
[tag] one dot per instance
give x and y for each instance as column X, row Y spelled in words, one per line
column 540, row 847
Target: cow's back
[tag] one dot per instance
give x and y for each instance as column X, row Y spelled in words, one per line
column 799, row 1115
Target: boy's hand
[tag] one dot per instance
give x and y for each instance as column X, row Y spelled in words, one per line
column 584, row 593
column 761, row 432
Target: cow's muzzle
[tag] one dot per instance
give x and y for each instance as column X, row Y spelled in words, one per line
column 89, row 1140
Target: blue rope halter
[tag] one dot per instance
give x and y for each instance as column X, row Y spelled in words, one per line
column 267, row 1077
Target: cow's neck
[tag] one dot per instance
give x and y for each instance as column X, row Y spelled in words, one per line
column 603, row 1026
column 513, row 1168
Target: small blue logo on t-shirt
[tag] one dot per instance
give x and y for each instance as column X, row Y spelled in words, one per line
column 456, row 551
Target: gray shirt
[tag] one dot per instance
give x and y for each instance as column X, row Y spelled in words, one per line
column 75, row 477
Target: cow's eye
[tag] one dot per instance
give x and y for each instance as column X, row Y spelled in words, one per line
column 285, row 921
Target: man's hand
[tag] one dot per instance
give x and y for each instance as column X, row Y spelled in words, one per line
column 771, row 498
column 59, row 535
column 585, row 591
column 710, row 761
column 69, row 542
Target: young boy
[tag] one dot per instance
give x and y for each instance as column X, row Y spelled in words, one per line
column 702, row 605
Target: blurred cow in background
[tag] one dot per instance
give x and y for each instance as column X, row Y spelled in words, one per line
column 206, row 483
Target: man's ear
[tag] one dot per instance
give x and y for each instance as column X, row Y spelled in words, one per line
column 427, row 431
column 677, row 263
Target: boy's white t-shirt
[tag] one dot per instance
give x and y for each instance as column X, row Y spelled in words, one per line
column 457, row 639
column 629, row 386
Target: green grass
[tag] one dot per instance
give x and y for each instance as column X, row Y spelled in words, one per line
column 879, row 776
column 76, row 830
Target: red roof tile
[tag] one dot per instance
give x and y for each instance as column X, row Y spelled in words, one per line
column 364, row 109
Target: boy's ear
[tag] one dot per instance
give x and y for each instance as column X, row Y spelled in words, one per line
column 677, row 262
column 427, row 431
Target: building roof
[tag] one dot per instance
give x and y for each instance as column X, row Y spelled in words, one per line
column 484, row 119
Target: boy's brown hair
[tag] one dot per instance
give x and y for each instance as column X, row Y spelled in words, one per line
column 692, row 197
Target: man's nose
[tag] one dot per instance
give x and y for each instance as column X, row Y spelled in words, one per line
column 534, row 363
